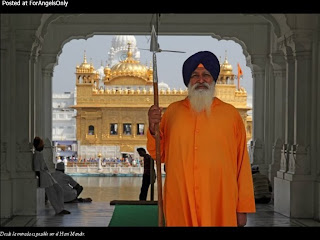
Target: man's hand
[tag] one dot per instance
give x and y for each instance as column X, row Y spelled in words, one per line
column 241, row 219
column 154, row 115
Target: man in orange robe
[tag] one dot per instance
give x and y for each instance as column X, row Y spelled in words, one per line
column 203, row 145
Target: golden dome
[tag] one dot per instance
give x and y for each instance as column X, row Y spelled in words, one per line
column 107, row 70
column 130, row 68
column 85, row 66
column 226, row 75
column 225, row 67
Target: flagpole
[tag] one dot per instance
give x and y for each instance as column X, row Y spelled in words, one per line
column 239, row 75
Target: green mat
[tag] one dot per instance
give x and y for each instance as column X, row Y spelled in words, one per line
column 134, row 216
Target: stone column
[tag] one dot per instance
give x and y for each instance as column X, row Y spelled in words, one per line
column 274, row 167
column 294, row 188
column 17, row 176
column 315, row 125
column 269, row 114
column 302, row 114
column 257, row 146
column 279, row 72
column 47, row 103
column 24, row 182
column 7, row 63
column 22, row 173
column 282, row 187
column 290, row 75
column 32, row 77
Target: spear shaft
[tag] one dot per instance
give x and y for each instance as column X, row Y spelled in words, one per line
column 157, row 137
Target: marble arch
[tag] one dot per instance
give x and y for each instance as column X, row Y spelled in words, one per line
column 281, row 49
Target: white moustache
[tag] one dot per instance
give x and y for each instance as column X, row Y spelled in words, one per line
column 199, row 86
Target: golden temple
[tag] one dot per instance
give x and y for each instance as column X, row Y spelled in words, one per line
column 113, row 119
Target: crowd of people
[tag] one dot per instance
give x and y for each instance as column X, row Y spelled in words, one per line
column 105, row 162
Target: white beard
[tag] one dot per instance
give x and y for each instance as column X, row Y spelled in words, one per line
column 201, row 99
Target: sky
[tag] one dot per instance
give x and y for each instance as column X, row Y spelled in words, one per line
column 169, row 64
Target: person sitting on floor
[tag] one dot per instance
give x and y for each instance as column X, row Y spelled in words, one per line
column 262, row 186
column 71, row 189
column 53, row 191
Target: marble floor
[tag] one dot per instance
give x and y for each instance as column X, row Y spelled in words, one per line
column 98, row 214
column 92, row 219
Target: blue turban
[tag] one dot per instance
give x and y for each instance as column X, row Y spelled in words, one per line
column 208, row 60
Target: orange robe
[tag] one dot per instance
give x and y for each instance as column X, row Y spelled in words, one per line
column 208, row 174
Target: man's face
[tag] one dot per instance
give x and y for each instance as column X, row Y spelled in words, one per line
column 201, row 90
column 202, row 77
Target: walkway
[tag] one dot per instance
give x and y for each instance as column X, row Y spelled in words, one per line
column 98, row 214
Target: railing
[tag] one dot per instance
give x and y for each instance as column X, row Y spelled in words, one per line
column 95, row 164
column 109, row 168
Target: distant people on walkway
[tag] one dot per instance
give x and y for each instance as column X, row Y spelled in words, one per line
column 149, row 173
column 262, row 186
column 71, row 188
column 53, row 190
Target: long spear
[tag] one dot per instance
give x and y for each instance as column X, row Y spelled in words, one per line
column 154, row 47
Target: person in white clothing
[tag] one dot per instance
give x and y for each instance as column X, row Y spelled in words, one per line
column 71, row 188
column 53, row 190
column 65, row 161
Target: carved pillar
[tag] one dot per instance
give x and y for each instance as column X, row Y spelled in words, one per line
column 269, row 114
column 290, row 76
column 276, row 161
column 259, row 115
column 24, row 184
column 299, row 162
column 47, row 103
column 32, row 77
column 258, row 103
column 8, row 133
column 294, row 187
column 279, row 73
column 5, row 123
column 257, row 151
column 34, row 73
column 22, row 96
column 315, row 125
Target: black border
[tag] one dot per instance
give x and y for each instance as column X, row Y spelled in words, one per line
column 151, row 6
column 159, row 232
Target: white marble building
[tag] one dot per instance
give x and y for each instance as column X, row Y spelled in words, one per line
column 282, row 50
column 63, row 117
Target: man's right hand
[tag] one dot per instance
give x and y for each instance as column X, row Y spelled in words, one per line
column 154, row 115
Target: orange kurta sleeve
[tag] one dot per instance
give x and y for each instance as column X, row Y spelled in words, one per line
column 246, row 203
